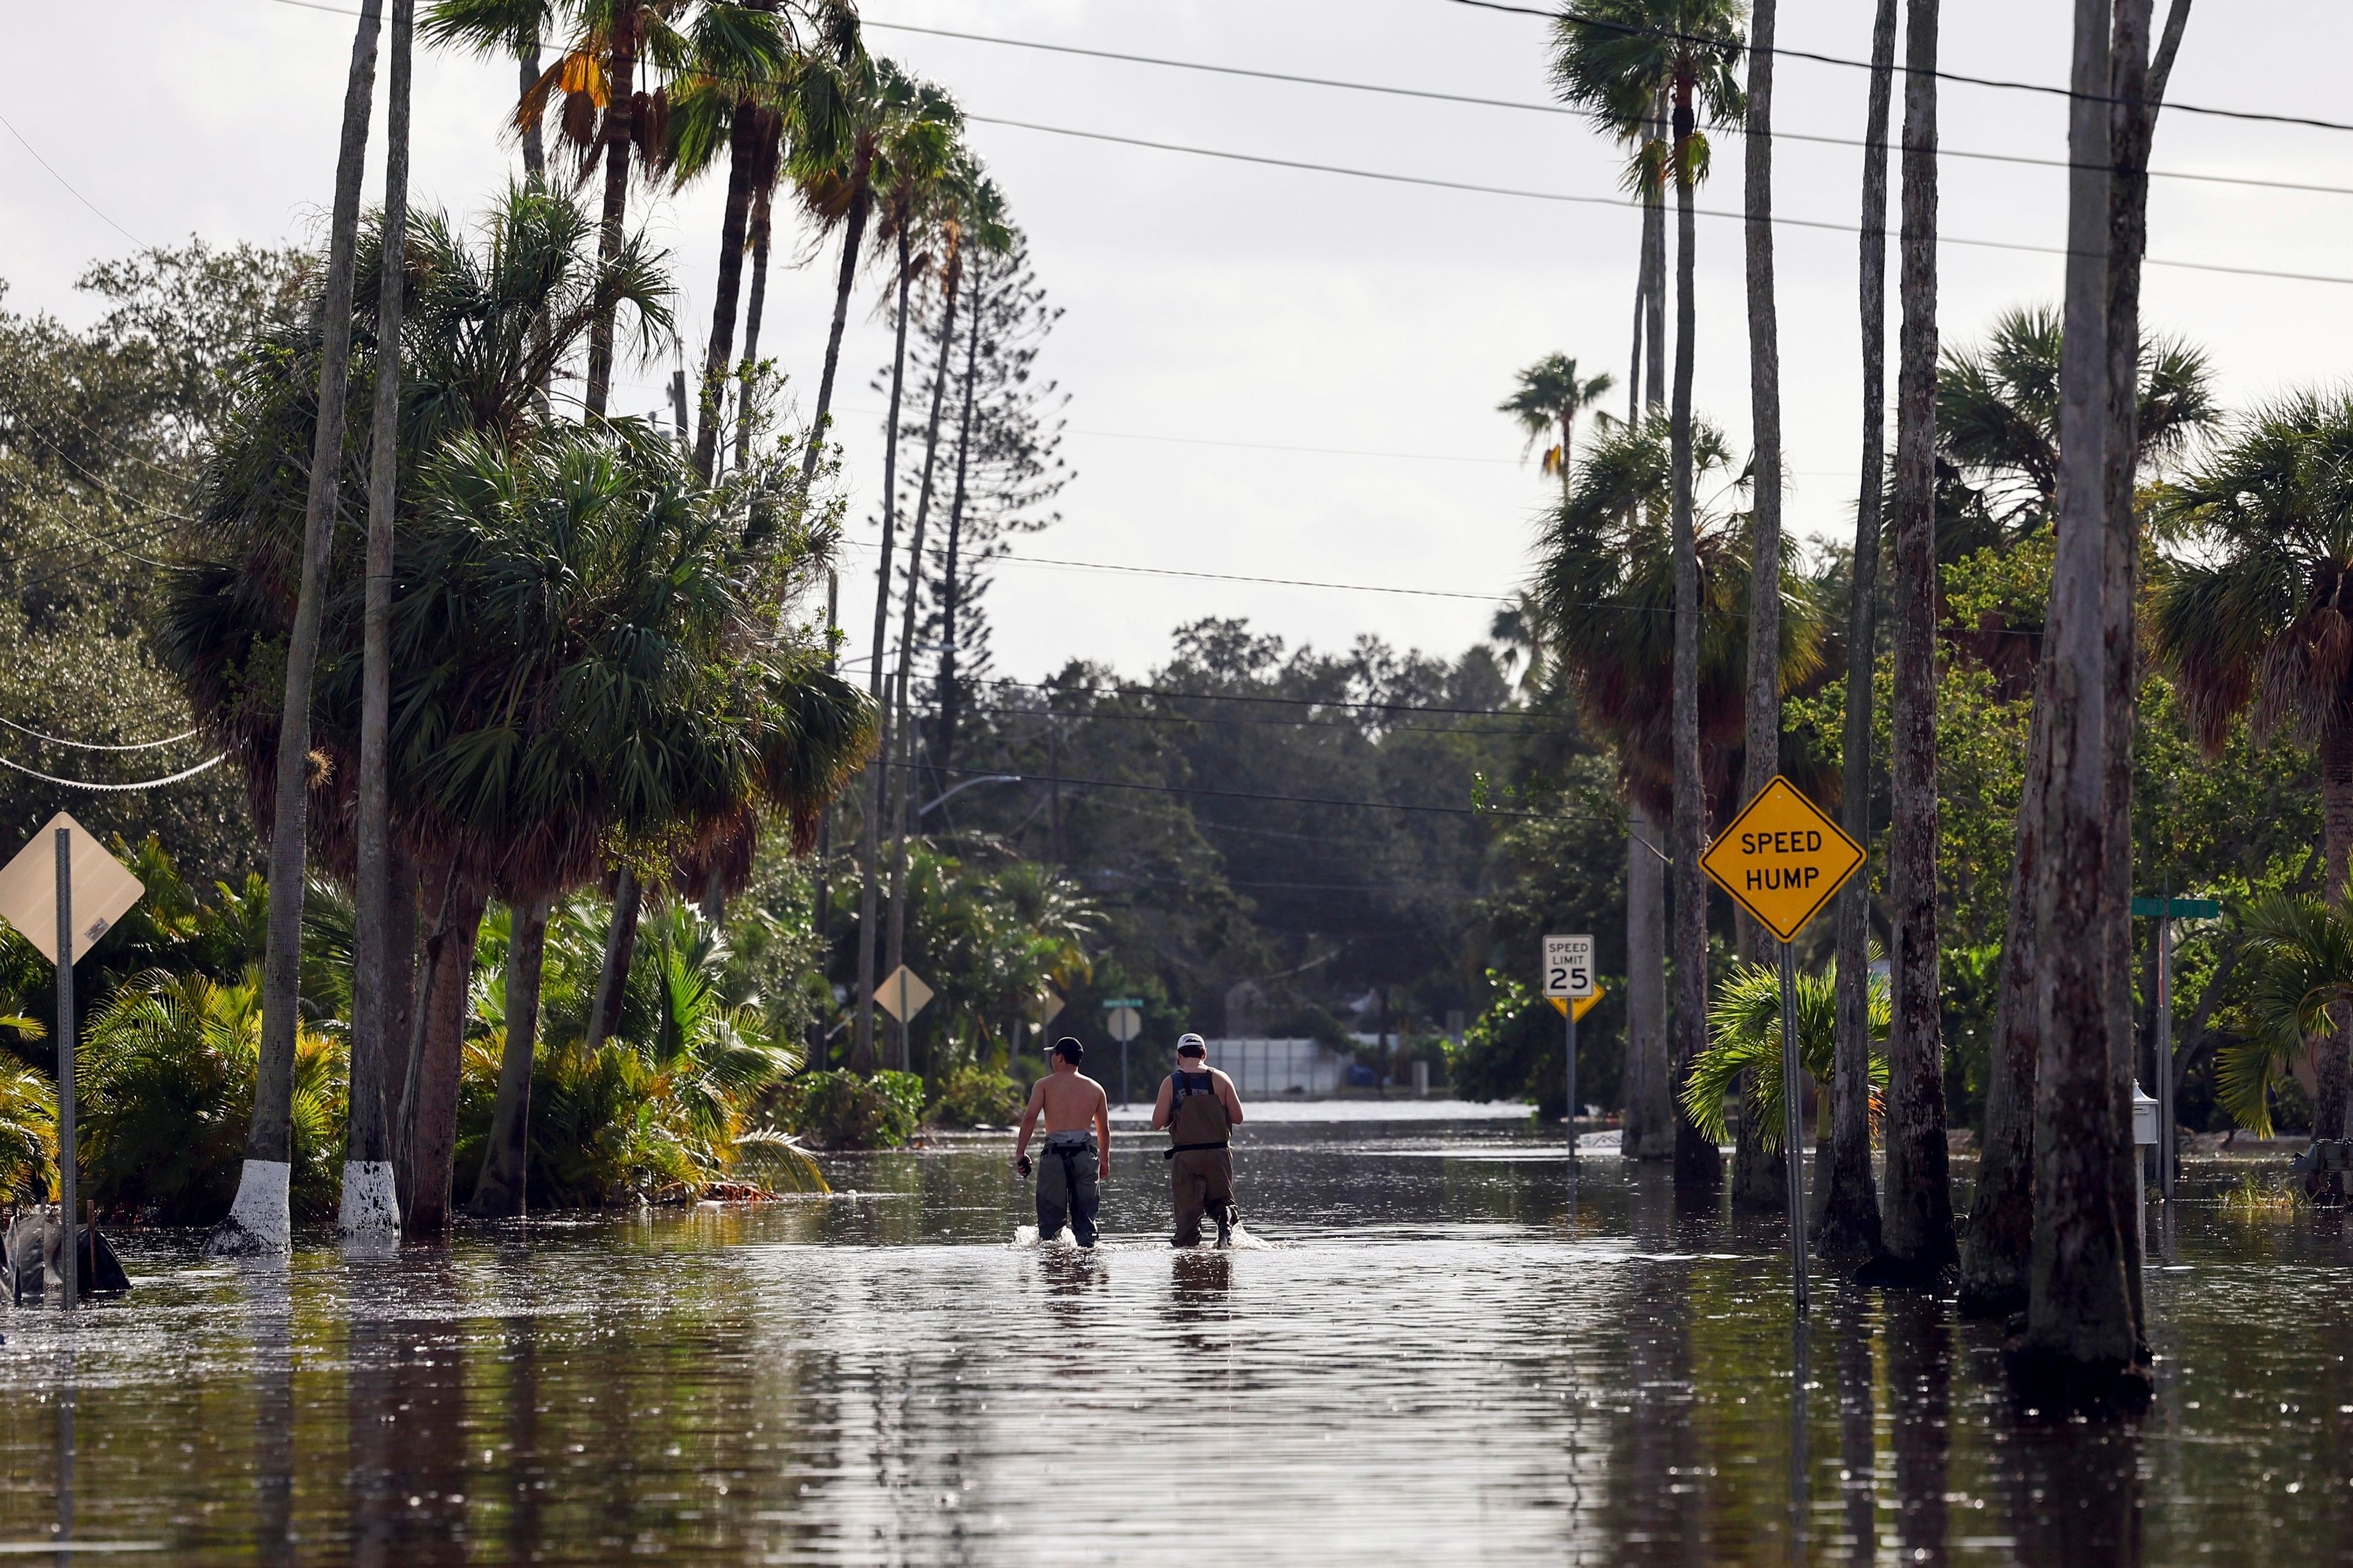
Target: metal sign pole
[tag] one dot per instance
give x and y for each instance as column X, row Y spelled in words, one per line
column 68, row 1156
column 1793, row 1153
column 1570, row 1011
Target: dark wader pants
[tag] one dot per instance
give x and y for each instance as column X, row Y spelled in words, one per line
column 1066, row 1186
column 1203, row 1183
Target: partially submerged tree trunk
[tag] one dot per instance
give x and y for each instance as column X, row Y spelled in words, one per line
column 370, row 1210
column 2081, row 1346
column 433, row 1141
column 1761, row 1178
column 500, row 1191
column 1697, row 1165
column 260, row 1220
column 1848, row 1232
column 1916, row 1206
column 1650, row 1127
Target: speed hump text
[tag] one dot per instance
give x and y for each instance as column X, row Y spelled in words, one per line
column 1781, row 859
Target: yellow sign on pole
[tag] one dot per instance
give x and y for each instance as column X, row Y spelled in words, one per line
column 1583, row 1004
column 1781, row 859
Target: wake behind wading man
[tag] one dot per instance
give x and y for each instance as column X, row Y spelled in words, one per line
column 1071, row 1161
column 1198, row 1107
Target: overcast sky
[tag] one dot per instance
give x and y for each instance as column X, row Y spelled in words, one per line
column 1274, row 372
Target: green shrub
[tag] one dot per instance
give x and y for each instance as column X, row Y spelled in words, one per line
column 841, row 1110
column 977, row 1097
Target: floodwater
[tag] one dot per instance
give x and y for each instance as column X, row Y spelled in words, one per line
column 1427, row 1354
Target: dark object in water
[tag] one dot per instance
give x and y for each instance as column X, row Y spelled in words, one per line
column 2326, row 1171
column 33, row 1262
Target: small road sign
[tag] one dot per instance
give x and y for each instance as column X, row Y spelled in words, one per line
column 1781, row 859
column 1113, row 1003
column 1051, row 1009
column 901, row 994
column 103, row 890
column 1568, row 966
column 2177, row 908
column 1126, row 1023
column 1580, row 1007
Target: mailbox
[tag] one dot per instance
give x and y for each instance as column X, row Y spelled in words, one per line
column 2144, row 1117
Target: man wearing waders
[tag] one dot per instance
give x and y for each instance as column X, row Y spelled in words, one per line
column 1071, row 1161
column 1197, row 1106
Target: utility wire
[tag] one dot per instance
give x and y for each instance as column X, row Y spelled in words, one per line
column 92, row 746
column 1075, row 783
column 60, row 179
column 1529, row 107
column 1624, row 202
column 115, row 788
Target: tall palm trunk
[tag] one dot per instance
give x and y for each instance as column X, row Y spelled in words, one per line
column 534, row 151
column 743, row 154
column 2330, row 1069
column 621, row 77
column 620, row 949
column 1916, row 1208
column 433, row 1138
column 397, row 986
column 870, row 844
column 260, row 1220
column 1849, row 1206
column 499, row 1191
column 370, row 1210
column 1760, row 1179
column 1651, row 1112
column 761, row 203
column 2081, row 1342
column 952, row 580
column 903, row 781
column 853, row 234
column 1650, row 1130
column 1696, row 1163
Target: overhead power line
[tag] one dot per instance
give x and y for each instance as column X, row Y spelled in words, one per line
column 93, row 746
column 1072, row 782
column 2041, row 90
column 1528, row 106
column 61, row 180
column 115, row 788
column 1623, row 203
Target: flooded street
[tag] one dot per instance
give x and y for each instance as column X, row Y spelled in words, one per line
column 1427, row 1354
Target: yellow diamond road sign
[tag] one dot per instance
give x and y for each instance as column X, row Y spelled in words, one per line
column 1583, row 1004
column 1781, row 859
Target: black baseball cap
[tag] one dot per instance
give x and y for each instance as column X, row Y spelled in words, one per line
column 1070, row 1050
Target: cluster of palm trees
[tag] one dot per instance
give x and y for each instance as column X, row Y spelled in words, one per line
column 564, row 650
column 1686, row 592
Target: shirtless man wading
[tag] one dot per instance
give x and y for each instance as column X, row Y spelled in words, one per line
column 1198, row 1105
column 1071, row 1161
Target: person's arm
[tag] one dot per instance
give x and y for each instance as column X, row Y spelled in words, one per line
column 1029, row 1120
column 1102, row 1135
column 1160, row 1106
column 1233, row 1101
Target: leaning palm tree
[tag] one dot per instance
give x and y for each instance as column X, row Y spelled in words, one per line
column 1615, row 60
column 2255, row 614
column 260, row 1220
column 1549, row 397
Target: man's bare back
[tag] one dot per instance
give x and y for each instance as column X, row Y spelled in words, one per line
column 1072, row 1101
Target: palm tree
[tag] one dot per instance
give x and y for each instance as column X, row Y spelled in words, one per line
column 260, row 1219
column 604, row 112
column 1848, row 1203
column 1745, row 1028
column 1614, row 60
column 2300, row 958
column 2081, row 1331
column 1549, row 397
column 1916, row 1202
column 911, row 167
column 370, row 1211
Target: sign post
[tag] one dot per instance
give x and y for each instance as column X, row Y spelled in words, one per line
column 1568, row 979
column 903, row 995
column 1781, row 859
column 62, row 892
column 2165, row 911
column 1124, row 1024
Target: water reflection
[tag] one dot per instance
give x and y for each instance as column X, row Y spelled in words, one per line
column 1432, row 1361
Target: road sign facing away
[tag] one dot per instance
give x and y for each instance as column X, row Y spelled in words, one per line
column 1568, row 966
column 1781, row 859
column 103, row 890
column 901, row 994
column 1051, row 1009
column 1126, row 1023
column 1582, row 1006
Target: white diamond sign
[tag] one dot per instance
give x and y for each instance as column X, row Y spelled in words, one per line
column 901, row 994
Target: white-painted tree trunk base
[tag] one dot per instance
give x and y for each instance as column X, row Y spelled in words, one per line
column 370, row 1216
column 261, row 1222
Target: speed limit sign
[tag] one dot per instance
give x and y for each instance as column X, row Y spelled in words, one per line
column 1568, row 966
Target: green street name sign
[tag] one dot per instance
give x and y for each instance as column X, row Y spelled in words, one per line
column 1118, row 1001
column 2177, row 908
